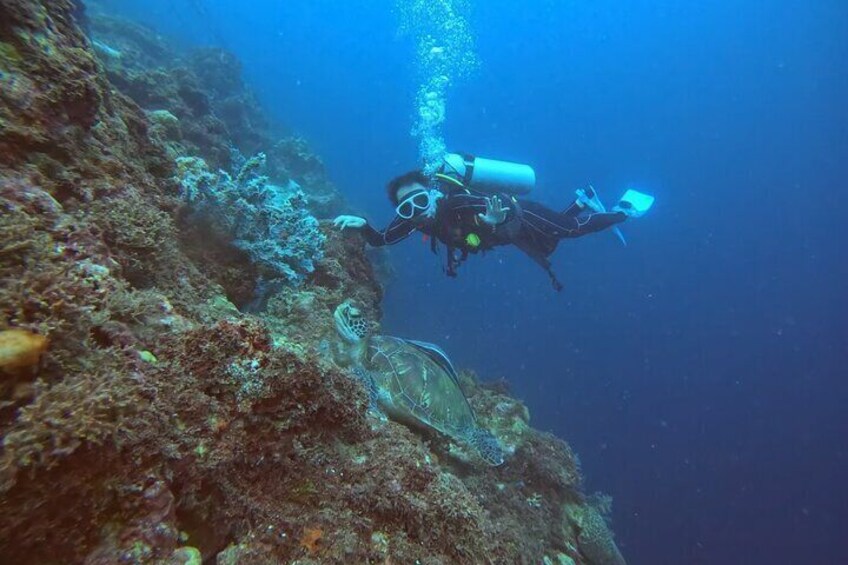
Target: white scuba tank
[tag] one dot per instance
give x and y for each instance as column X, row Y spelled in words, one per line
column 489, row 175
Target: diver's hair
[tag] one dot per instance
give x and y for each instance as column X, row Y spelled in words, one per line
column 403, row 180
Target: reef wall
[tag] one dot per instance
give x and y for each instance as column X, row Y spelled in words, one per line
column 166, row 395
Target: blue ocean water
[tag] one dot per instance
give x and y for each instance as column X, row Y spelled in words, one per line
column 699, row 372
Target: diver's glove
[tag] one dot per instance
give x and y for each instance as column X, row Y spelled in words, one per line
column 353, row 222
column 496, row 212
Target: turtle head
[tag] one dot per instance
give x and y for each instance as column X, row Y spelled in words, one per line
column 350, row 323
column 487, row 445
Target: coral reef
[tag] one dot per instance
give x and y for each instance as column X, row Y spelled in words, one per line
column 198, row 105
column 203, row 91
column 145, row 417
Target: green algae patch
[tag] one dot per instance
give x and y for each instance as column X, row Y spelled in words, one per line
column 218, row 307
column 187, row 556
column 10, row 57
column 148, row 357
column 201, row 450
column 44, row 43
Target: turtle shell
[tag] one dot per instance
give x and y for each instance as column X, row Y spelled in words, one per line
column 415, row 385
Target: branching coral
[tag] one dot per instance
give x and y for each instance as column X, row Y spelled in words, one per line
column 270, row 223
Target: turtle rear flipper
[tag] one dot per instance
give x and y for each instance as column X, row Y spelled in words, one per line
column 371, row 388
column 487, row 445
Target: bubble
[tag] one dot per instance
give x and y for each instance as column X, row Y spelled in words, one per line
column 445, row 54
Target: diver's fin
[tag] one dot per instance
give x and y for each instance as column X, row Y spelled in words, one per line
column 634, row 203
column 617, row 231
column 590, row 198
column 438, row 356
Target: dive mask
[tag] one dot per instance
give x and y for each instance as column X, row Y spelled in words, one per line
column 423, row 202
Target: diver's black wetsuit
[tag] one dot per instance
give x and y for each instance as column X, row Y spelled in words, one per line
column 530, row 226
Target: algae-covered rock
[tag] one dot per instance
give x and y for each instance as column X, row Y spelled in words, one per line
column 165, row 124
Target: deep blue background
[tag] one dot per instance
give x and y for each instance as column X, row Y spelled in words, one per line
column 700, row 372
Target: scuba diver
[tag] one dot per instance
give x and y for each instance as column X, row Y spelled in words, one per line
column 472, row 205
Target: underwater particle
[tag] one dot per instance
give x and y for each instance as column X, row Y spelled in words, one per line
column 148, row 357
column 310, row 539
column 21, row 349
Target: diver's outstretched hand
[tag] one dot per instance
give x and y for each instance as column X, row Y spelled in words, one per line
column 344, row 222
column 495, row 212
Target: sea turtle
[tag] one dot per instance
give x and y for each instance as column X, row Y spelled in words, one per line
column 412, row 382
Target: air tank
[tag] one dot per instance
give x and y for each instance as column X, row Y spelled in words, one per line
column 490, row 175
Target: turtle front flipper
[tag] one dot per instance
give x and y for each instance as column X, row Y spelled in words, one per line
column 486, row 445
column 371, row 388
